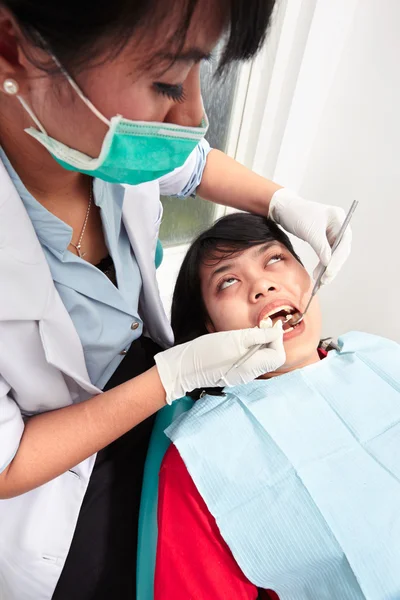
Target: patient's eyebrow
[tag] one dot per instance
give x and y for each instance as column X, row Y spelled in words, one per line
column 261, row 249
column 221, row 269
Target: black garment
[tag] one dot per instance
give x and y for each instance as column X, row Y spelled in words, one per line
column 101, row 563
column 107, row 266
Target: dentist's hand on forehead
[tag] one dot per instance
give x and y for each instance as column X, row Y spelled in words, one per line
column 208, row 360
column 315, row 223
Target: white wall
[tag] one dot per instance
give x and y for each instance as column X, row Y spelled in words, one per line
column 356, row 154
column 168, row 272
column 330, row 128
column 342, row 142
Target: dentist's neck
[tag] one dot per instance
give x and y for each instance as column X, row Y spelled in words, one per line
column 42, row 176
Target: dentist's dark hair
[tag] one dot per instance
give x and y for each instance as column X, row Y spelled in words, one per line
column 78, row 31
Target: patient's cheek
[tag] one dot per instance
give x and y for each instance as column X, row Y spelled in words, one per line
column 229, row 314
column 305, row 286
column 228, row 320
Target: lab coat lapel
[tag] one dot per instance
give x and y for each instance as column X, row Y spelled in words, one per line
column 104, row 291
column 23, row 274
column 61, row 343
column 27, row 288
column 142, row 212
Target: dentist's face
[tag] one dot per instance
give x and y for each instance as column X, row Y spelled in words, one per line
column 151, row 79
column 266, row 280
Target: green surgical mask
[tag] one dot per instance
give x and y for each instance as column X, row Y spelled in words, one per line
column 132, row 152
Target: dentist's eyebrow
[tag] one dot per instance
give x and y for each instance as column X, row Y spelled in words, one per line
column 195, row 55
column 168, row 60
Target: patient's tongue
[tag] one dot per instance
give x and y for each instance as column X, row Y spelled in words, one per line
column 279, row 316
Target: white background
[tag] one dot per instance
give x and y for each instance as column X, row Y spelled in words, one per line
column 319, row 111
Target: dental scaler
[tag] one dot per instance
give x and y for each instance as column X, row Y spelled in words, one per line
column 297, row 317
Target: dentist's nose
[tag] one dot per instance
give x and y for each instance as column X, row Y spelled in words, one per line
column 189, row 112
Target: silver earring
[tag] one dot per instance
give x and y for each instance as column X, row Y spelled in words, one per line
column 11, row 87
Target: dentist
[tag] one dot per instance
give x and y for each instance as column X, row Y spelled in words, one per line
column 81, row 319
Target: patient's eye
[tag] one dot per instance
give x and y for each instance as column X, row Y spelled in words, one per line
column 274, row 259
column 226, row 283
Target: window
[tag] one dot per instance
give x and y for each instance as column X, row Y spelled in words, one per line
column 185, row 218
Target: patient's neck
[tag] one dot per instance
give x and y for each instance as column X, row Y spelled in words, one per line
column 309, row 360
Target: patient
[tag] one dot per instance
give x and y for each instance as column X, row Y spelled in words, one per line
column 288, row 486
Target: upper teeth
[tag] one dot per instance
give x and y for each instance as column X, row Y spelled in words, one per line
column 288, row 309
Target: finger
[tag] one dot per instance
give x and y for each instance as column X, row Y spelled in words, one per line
column 344, row 247
column 320, row 244
column 271, row 358
column 256, row 335
column 278, row 347
column 337, row 217
column 339, row 257
column 317, row 271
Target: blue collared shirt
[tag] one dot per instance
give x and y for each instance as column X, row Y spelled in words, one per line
column 106, row 317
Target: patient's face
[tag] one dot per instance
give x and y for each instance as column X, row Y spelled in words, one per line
column 240, row 291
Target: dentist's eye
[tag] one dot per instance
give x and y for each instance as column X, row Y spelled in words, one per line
column 227, row 283
column 274, row 259
column 174, row 92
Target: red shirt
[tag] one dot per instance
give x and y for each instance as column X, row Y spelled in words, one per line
column 193, row 561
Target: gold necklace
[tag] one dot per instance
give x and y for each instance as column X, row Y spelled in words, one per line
column 78, row 246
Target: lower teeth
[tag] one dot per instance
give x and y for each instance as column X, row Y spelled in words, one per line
column 291, row 328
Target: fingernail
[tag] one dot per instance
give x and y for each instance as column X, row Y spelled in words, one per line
column 266, row 323
column 327, row 280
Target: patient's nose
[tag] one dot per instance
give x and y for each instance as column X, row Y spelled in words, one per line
column 262, row 288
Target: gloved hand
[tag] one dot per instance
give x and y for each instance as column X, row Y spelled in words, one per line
column 315, row 223
column 208, row 360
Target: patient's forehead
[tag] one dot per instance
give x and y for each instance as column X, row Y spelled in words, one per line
column 225, row 253
column 225, row 257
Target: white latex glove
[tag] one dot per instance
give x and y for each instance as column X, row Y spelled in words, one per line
column 315, row 223
column 208, row 360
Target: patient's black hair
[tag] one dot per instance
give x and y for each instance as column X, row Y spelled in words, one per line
column 228, row 236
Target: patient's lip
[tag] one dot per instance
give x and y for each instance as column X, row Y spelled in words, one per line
column 275, row 304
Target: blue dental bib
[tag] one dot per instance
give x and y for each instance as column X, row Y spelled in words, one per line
column 302, row 473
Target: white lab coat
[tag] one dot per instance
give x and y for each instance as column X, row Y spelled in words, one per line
column 42, row 368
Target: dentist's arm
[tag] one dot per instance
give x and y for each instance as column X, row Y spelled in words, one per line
column 54, row 442
column 227, row 182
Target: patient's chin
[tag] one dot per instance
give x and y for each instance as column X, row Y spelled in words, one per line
column 294, row 361
column 297, row 360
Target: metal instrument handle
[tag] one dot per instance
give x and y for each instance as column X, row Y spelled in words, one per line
column 337, row 241
column 317, row 284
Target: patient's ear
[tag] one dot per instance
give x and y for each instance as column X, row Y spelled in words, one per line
column 210, row 326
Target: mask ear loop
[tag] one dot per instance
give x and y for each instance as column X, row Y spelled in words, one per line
column 78, row 90
column 11, row 87
column 71, row 81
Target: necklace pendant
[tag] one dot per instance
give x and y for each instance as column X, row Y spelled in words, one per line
column 78, row 245
column 78, row 249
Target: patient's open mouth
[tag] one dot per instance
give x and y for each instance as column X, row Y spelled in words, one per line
column 281, row 313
